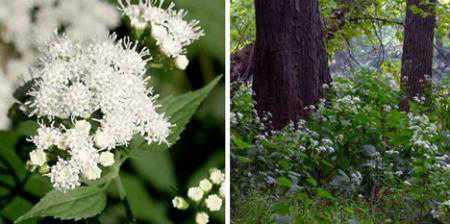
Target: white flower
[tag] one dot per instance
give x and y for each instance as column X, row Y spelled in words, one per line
column 213, row 202
column 38, row 157
column 216, row 176
column 64, row 175
column 356, row 178
column 106, row 159
column 195, row 193
column 180, row 203
column 201, row 218
column 205, row 185
column 78, row 136
column 181, row 61
column 446, row 203
column 103, row 140
column 46, row 137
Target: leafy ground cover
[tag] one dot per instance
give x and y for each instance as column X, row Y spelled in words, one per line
column 356, row 159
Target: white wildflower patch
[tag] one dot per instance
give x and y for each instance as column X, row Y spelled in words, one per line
column 348, row 103
column 171, row 32
column 98, row 84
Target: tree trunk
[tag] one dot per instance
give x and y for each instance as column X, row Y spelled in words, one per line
column 417, row 58
column 290, row 59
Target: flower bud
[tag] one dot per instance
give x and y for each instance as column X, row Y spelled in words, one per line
column 205, row 185
column 38, row 157
column 180, row 203
column 201, row 218
column 181, row 61
column 106, row 159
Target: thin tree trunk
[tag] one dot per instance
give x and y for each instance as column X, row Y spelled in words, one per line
column 417, row 58
column 290, row 60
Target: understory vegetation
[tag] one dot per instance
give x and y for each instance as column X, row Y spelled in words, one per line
column 357, row 158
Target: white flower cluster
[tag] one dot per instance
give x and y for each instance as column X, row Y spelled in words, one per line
column 419, row 100
column 349, row 103
column 213, row 201
column 168, row 27
column 306, row 139
column 423, row 129
column 99, row 84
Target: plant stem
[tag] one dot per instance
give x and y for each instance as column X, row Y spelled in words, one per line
column 123, row 198
column 155, row 65
column 120, row 188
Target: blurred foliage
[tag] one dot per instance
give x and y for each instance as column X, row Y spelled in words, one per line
column 152, row 180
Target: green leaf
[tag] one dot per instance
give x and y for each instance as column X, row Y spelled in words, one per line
column 284, row 182
column 179, row 109
column 281, row 208
column 243, row 159
column 142, row 205
column 157, row 168
column 80, row 203
column 240, row 144
column 311, row 181
column 324, row 194
column 16, row 208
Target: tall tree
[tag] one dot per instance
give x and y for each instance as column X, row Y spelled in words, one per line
column 417, row 58
column 290, row 58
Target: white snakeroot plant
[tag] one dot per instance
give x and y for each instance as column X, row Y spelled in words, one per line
column 89, row 102
column 168, row 27
column 101, row 84
column 208, row 196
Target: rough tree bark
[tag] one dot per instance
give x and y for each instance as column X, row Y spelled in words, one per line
column 417, row 58
column 290, row 58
